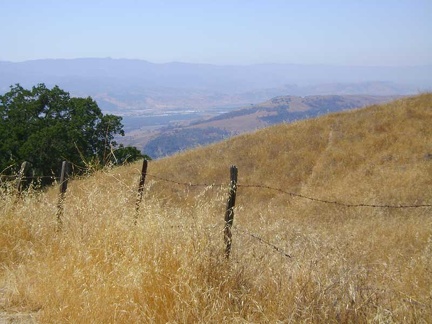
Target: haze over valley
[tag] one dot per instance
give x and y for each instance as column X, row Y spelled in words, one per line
column 156, row 98
column 133, row 87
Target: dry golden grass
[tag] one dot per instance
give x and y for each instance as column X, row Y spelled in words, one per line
column 348, row 264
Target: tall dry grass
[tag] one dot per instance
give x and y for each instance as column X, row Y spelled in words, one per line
column 347, row 264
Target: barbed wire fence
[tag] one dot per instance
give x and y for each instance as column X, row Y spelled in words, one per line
column 292, row 194
column 233, row 185
column 229, row 215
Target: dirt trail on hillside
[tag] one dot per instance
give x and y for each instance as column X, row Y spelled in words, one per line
column 318, row 163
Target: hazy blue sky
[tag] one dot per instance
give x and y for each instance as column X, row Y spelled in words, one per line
column 342, row 32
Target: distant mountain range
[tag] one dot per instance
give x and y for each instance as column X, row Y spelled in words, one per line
column 131, row 87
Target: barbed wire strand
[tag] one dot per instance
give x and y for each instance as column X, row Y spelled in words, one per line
column 261, row 240
column 331, row 201
column 186, row 183
column 292, row 194
column 15, row 177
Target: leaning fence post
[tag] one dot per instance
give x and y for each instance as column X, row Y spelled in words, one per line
column 141, row 188
column 22, row 177
column 229, row 214
column 64, row 175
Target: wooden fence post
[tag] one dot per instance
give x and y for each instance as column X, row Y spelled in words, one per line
column 229, row 214
column 141, row 188
column 22, row 177
column 64, row 175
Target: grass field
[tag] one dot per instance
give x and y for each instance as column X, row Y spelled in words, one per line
column 347, row 263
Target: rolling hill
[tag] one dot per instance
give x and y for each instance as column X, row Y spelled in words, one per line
column 332, row 224
column 374, row 145
column 282, row 109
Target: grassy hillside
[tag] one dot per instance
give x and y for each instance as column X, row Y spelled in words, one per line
column 374, row 151
column 275, row 111
column 347, row 263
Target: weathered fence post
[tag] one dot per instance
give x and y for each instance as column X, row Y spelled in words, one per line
column 141, row 188
column 229, row 214
column 64, row 175
column 22, row 177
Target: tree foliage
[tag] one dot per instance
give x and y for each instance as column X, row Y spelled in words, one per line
column 45, row 126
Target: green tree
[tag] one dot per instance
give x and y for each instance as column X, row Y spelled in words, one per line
column 45, row 126
column 124, row 155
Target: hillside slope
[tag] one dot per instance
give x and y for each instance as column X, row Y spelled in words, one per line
column 380, row 153
column 318, row 235
column 277, row 110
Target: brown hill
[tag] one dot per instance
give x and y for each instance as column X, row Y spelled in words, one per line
column 332, row 224
column 371, row 153
column 288, row 109
column 277, row 110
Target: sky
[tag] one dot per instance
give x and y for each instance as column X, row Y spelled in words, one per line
column 223, row 32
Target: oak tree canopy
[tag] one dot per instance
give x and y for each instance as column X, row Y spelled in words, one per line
column 46, row 126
